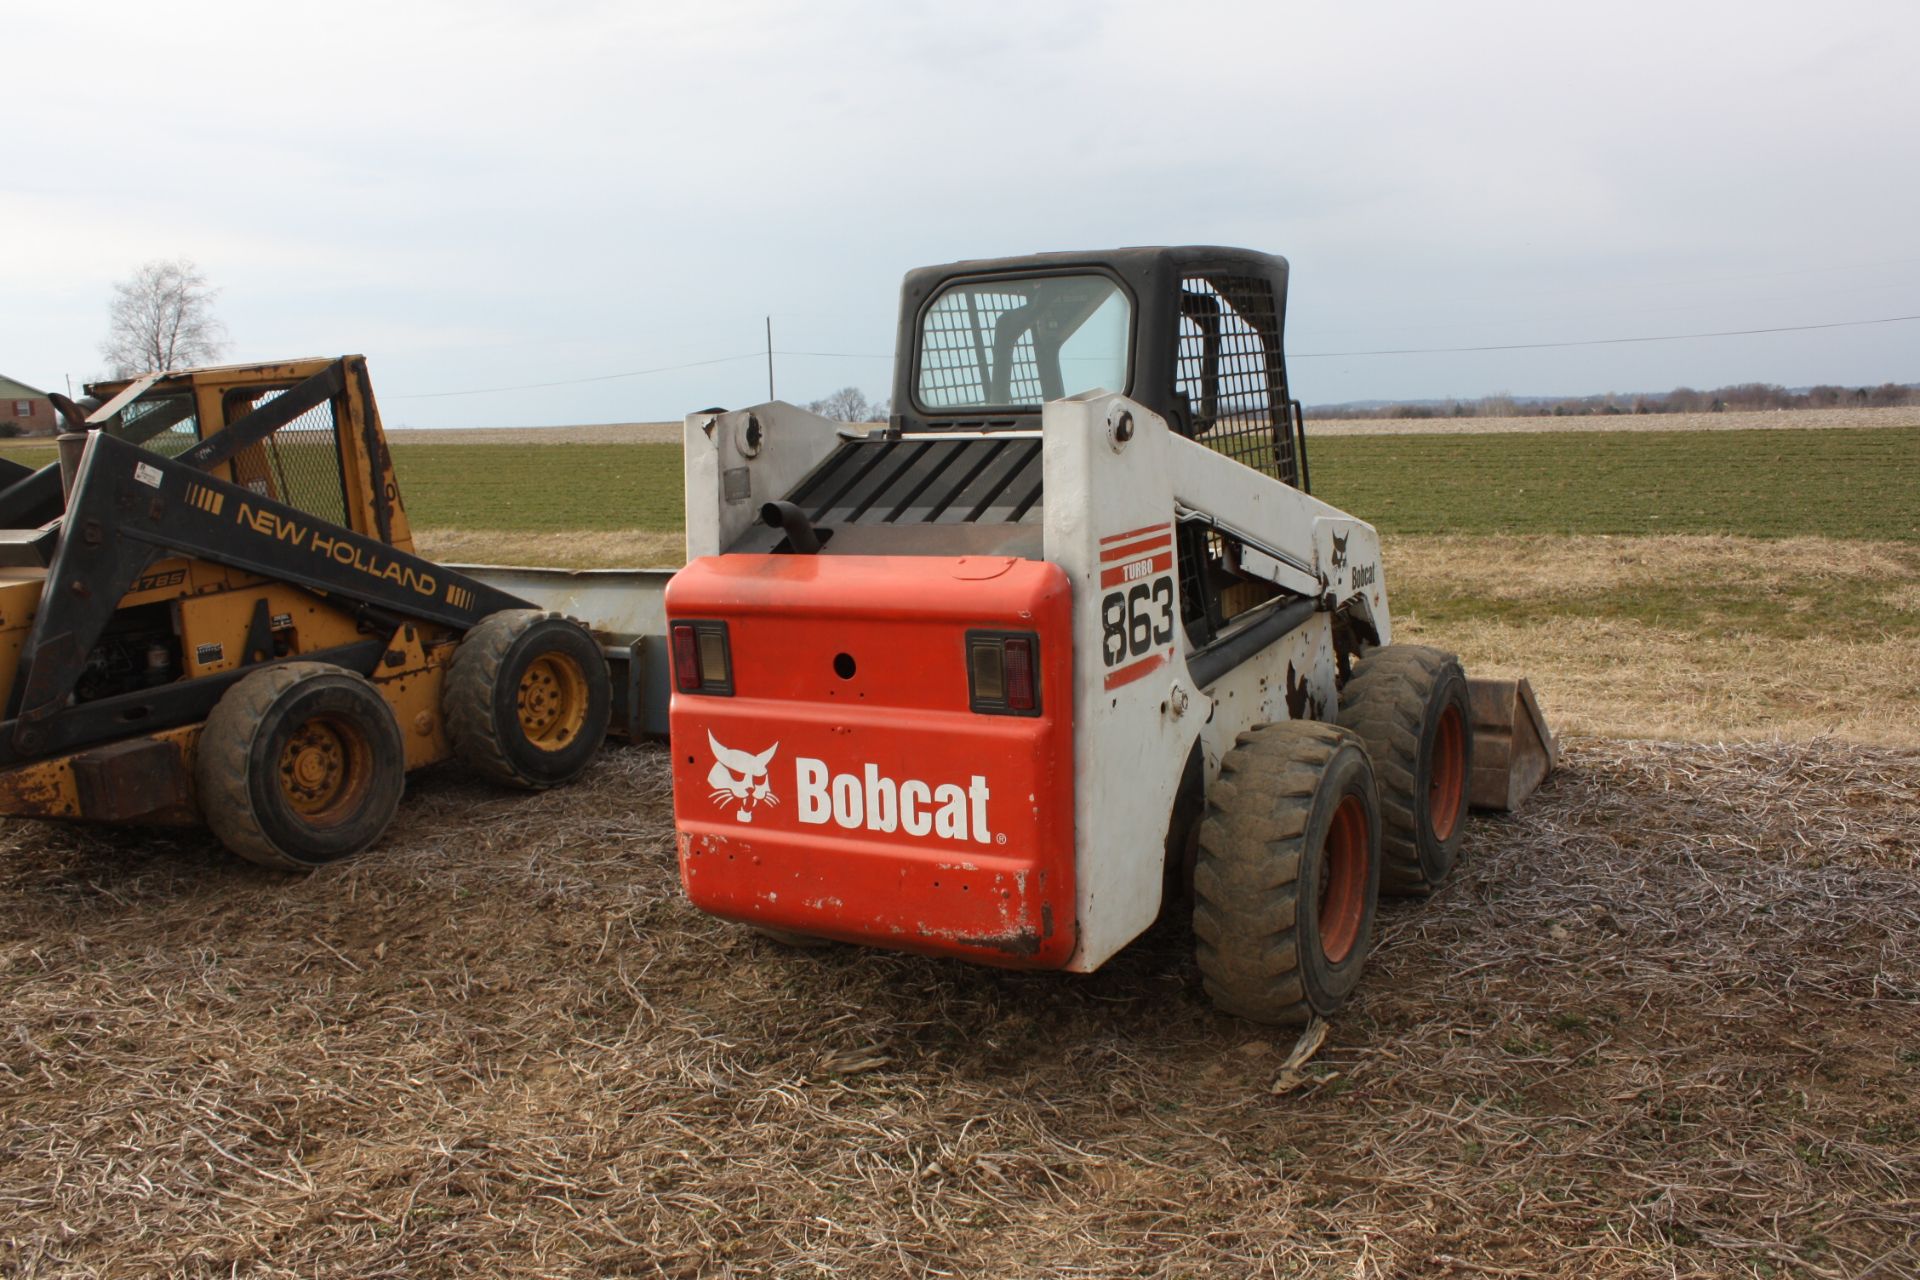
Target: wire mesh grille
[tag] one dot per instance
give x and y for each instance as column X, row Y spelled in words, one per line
column 299, row 464
column 1228, row 368
column 956, row 352
column 166, row 425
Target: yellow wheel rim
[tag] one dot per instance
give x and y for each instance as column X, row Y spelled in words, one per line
column 325, row 769
column 553, row 701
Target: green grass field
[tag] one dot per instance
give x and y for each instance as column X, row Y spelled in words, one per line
column 1767, row 484
column 542, row 488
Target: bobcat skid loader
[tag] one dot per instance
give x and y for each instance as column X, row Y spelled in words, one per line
column 211, row 611
column 1065, row 643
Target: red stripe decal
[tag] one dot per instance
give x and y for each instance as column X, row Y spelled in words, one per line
column 1134, row 533
column 1118, row 574
column 1127, row 675
column 1135, row 549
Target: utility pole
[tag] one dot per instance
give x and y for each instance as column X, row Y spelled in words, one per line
column 769, row 358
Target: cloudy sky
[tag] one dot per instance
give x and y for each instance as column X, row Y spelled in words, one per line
column 490, row 194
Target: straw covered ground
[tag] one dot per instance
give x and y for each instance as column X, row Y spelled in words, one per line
column 1661, row 1024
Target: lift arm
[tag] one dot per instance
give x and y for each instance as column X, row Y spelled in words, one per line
column 129, row 507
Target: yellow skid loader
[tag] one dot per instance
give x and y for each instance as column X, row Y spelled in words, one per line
column 211, row 610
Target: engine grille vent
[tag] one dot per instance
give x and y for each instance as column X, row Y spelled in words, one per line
column 879, row 481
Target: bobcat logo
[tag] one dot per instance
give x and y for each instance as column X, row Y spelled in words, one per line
column 1340, row 550
column 740, row 778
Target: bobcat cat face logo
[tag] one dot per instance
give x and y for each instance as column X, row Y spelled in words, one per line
column 740, row 778
column 1340, row 550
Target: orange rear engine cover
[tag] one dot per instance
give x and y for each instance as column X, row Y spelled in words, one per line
column 846, row 787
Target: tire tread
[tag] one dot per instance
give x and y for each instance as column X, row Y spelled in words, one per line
column 1246, row 879
column 1385, row 702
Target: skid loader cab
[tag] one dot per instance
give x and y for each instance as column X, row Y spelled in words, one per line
column 315, row 446
column 1194, row 333
column 889, row 649
column 211, row 608
column 964, row 685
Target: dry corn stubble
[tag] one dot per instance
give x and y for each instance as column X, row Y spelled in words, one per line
column 1661, row 1023
column 1703, row 638
column 1825, row 667
column 596, row 549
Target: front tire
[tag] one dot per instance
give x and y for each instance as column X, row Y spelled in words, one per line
column 527, row 699
column 1288, row 873
column 1408, row 703
column 299, row 765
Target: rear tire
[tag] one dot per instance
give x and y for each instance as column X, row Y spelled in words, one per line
column 527, row 699
column 300, row 765
column 1408, row 703
column 1291, row 821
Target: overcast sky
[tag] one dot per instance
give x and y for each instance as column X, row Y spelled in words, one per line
column 482, row 194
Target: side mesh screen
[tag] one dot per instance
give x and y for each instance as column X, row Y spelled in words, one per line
column 166, row 425
column 1229, row 368
column 299, row 464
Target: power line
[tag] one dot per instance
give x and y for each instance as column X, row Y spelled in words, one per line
column 1594, row 342
column 1292, row 355
column 840, row 355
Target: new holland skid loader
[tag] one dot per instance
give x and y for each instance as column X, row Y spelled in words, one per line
column 210, row 609
column 1070, row 635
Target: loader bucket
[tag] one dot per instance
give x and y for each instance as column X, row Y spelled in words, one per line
column 1513, row 750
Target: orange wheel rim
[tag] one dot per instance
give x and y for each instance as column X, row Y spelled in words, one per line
column 1343, row 880
column 552, row 701
column 325, row 769
column 1447, row 776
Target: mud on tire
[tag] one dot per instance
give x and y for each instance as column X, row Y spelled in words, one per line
column 1408, row 703
column 300, row 764
column 527, row 699
column 1288, row 873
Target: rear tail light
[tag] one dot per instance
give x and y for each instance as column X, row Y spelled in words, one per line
column 1003, row 674
column 1019, row 674
column 702, row 658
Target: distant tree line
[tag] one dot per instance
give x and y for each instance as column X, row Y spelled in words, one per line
column 1744, row 396
column 850, row 404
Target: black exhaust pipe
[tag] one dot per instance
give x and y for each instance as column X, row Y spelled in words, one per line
column 802, row 539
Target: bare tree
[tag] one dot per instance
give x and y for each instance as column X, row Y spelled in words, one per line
column 162, row 318
column 848, row 404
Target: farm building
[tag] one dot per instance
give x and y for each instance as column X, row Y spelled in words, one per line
column 25, row 409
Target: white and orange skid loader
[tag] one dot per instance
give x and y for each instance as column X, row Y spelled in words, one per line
column 1069, row 635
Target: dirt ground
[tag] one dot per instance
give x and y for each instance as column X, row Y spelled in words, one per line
column 1665, row 1023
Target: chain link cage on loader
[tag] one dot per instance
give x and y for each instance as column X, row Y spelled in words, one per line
column 211, row 610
